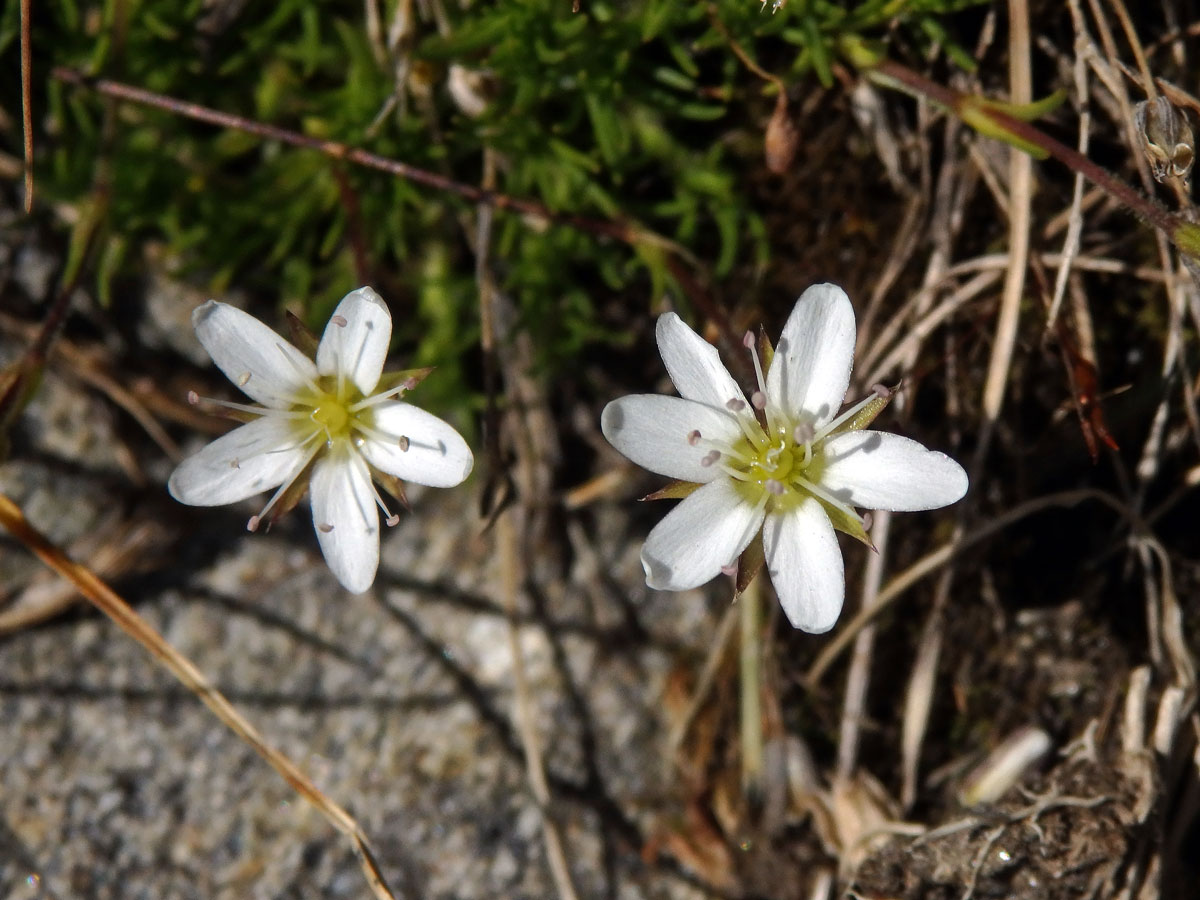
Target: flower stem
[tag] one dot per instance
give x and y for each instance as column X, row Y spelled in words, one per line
column 1000, row 124
column 750, row 656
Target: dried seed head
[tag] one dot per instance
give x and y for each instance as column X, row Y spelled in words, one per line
column 781, row 139
column 1167, row 138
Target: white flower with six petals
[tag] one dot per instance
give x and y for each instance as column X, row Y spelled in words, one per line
column 796, row 469
column 322, row 423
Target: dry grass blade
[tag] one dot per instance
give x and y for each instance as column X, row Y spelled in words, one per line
column 859, row 677
column 108, row 602
column 931, row 562
column 26, row 98
column 1020, row 208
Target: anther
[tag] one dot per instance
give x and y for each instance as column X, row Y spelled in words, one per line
column 758, row 400
column 243, row 379
column 193, row 398
column 324, row 528
column 730, row 569
column 252, row 525
column 710, row 458
column 393, row 520
column 735, row 405
column 867, row 521
column 774, row 486
column 234, row 463
column 748, row 340
column 803, row 433
column 881, row 391
column 693, row 438
column 403, row 444
column 339, row 321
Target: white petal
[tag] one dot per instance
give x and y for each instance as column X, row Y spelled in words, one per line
column 261, row 363
column 355, row 342
column 653, row 431
column 253, row 458
column 694, row 365
column 876, row 470
column 345, row 516
column 805, row 563
column 707, row 530
column 811, row 369
column 436, row 456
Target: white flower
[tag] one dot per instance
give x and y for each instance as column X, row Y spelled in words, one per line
column 796, row 469
column 320, row 424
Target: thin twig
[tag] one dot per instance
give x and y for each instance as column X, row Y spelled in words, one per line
column 628, row 233
column 859, row 676
column 109, row 603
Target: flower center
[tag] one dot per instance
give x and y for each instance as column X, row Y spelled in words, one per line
column 775, row 462
column 333, row 416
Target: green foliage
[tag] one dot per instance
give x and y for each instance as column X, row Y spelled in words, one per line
column 622, row 111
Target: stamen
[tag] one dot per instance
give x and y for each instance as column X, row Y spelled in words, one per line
column 822, row 494
column 867, row 521
column 710, row 458
column 750, row 344
column 694, row 438
column 730, row 569
column 881, row 391
column 803, row 433
column 252, row 525
column 758, row 400
column 243, row 379
column 390, row 518
column 339, row 321
column 375, row 399
column 403, row 444
column 324, row 528
column 846, row 416
column 774, row 487
column 195, row 399
column 749, row 425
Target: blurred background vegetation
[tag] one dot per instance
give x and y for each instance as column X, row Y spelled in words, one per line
column 634, row 112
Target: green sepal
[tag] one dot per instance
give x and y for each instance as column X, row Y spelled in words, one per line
column 302, row 338
column 846, row 524
column 393, row 485
column 389, row 380
column 867, row 414
column 766, row 353
column 750, row 563
column 676, row 490
column 289, row 498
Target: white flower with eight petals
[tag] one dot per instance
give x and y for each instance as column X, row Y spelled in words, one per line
column 322, row 423
column 785, row 462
